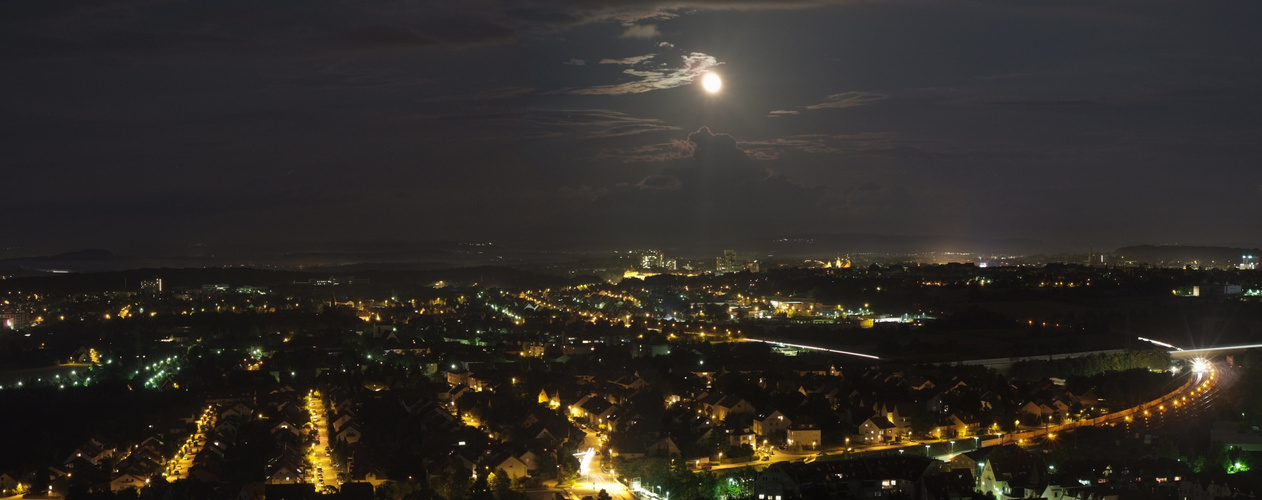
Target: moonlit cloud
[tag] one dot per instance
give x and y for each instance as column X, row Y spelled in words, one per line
column 646, row 31
column 695, row 65
column 575, row 62
column 674, row 149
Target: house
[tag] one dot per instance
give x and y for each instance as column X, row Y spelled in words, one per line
column 531, row 459
column 1010, row 472
column 768, row 424
column 730, row 405
column 803, row 435
column 664, row 447
column 741, row 438
column 899, row 414
column 878, row 429
column 595, row 410
column 341, row 420
column 552, row 400
column 1038, row 410
column 369, row 474
column 350, row 433
column 284, row 473
column 506, row 463
column 633, row 382
column 124, row 481
column 238, row 410
column 8, row 483
column 964, row 424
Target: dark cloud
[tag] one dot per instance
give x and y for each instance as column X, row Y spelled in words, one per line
column 385, row 36
column 661, row 182
column 594, row 123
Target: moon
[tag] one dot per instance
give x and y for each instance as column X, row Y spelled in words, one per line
column 711, row 82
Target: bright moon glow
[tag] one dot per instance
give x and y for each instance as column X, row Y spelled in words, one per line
column 711, row 82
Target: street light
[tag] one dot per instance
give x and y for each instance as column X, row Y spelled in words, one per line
column 926, row 450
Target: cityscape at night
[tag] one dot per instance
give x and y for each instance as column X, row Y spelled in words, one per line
column 636, row 374
column 630, row 250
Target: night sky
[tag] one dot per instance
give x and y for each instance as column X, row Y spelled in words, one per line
column 161, row 125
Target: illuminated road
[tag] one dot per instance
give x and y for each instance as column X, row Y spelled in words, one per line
column 178, row 466
column 596, row 478
column 323, row 473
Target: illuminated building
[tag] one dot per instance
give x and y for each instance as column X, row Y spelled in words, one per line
column 151, row 286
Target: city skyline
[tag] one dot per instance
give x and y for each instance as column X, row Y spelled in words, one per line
column 160, row 128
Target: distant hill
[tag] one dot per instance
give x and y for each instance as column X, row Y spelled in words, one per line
column 1181, row 254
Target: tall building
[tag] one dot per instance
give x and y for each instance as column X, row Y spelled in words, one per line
column 728, row 263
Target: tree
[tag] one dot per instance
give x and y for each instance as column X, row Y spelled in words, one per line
column 454, row 486
column 501, row 483
column 567, row 469
column 922, row 423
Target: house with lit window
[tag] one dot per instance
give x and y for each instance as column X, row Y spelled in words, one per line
column 768, row 424
column 877, row 429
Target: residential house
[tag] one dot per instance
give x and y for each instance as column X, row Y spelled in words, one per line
column 730, row 405
column 124, row 481
column 878, row 429
column 507, row 463
column 350, row 433
column 803, row 435
column 768, row 424
column 1010, row 472
column 741, row 438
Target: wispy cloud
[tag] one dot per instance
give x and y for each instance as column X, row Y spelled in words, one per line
column 694, row 65
column 628, row 61
column 835, row 101
column 848, row 100
column 575, row 62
